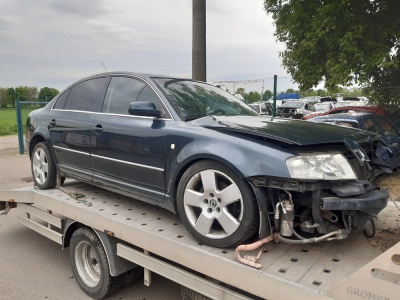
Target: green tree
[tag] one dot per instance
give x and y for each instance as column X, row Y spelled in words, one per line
column 11, row 96
column 253, row 97
column 22, row 93
column 32, row 93
column 3, row 97
column 340, row 42
column 267, row 95
column 240, row 91
column 46, row 94
column 290, row 91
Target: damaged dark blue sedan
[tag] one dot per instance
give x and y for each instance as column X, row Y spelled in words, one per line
column 196, row 150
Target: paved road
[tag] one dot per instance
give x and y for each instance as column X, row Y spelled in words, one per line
column 34, row 267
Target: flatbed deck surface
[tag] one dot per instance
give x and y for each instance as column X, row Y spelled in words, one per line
column 310, row 270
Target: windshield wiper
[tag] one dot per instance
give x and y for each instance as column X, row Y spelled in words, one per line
column 190, row 118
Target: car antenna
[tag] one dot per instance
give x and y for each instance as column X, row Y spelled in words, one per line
column 104, row 66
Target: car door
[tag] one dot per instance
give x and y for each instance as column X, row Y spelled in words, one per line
column 71, row 126
column 129, row 151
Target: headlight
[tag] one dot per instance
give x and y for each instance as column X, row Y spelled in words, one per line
column 323, row 166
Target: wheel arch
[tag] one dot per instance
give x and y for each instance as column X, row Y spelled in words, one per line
column 38, row 138
column 118, row 265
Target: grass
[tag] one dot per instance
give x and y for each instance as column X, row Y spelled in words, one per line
column 8, row 120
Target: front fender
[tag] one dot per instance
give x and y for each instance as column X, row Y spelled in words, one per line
column 246, row 157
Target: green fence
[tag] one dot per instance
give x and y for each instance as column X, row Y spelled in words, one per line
column 20, row 129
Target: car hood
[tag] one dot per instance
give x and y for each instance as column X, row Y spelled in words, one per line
column 294, row 132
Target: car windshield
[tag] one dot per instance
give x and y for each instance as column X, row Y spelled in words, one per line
column 293, row 104
column 194, row 99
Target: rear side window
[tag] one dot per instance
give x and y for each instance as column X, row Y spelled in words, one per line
column 83, row 96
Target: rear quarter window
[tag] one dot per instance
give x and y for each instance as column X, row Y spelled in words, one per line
column 61, row 100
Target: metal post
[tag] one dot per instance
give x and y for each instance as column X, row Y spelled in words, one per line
column 19, row 126
column 274, row 105
column 199, row 71
column 262, row 91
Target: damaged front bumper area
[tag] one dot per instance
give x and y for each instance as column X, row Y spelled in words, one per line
column 372, row 202
column 308, row 212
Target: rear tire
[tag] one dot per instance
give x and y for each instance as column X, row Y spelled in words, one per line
column 90, row 265
column 43, row 168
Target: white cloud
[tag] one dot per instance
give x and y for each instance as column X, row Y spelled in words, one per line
column 54, row 43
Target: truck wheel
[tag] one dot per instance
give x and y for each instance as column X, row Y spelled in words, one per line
column 43, row 167
column 90, row 265
column 132, row 276
column 188, row 294
column 216, row 206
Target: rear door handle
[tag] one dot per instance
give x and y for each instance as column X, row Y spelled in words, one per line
column 98, row 128
column 53, row 122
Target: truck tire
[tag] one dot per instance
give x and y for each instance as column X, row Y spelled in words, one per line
column 188, row 294
column 132, row 276
column 90, row 265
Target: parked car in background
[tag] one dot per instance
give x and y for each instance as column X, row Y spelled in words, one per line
column 278, row 102
column 295, row 109
column 312, row 99
column 348, row 103
column 320, row 107
column 328, row 99
column 263, row 108
column 200, row 152
column 374, row 122
column 348, row 109
column 356, row 99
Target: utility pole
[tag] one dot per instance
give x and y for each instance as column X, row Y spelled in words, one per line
column 199, row 71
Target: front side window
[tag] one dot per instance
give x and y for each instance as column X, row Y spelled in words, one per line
column 122, row 91
column 193, row 99
column 83, row 96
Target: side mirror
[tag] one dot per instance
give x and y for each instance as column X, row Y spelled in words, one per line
column 146, row 109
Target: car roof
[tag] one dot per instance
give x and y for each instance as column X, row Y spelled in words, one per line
column 347, row 116
column 143, row 75
column 373, row 109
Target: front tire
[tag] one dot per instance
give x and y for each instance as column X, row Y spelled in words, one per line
column 43, row 168
column 216, row 206
column 90, row 265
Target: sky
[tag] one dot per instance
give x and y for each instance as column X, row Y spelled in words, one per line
column 54, row 43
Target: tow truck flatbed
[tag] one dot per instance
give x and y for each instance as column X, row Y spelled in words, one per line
column 155, row 239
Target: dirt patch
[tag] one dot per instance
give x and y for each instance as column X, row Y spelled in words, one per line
column 27, row 179
column 386, row 238
column 9, row 151
column 387, row 228
column 391, row 182
column 396, row 259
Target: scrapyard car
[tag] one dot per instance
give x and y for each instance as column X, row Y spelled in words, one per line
column 198, row 151
column 373, row 122
column 295, row 109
